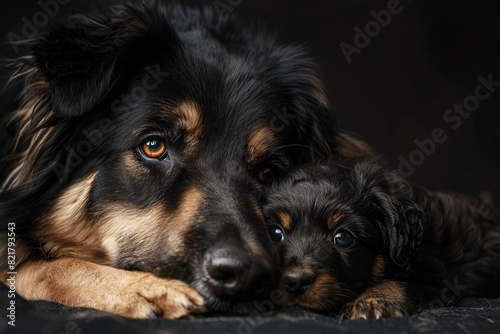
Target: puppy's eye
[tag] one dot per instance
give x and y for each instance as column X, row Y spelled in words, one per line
column 342, row 239
column 266, row 175
column 154, row 148
column 276, row 234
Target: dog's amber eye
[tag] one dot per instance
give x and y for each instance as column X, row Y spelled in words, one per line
column 342, row 239
column 154, row 148
column 266, row 175
column 276, row 234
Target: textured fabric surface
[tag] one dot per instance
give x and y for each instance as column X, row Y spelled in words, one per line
column 469, row 316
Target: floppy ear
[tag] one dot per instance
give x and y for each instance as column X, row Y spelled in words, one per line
column 82, row 60
column 401, row 223
column 79, row 67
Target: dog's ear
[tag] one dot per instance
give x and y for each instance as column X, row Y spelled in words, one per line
column 405, row 231
column 82, row 59
column 387, row 200
column 401, row 223
column 79, row 67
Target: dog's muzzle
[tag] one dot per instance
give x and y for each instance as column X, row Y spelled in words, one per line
column 231, row 272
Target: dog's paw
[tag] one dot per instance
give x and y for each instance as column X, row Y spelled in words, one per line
column 151, row 297
column 366, row 308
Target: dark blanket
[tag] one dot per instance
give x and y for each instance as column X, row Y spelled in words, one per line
column 469, row 316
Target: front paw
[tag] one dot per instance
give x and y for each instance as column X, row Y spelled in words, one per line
column 366, row 308
column 152, row 297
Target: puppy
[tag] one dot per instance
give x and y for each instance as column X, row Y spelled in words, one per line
column 358, row 239
column 145, row 138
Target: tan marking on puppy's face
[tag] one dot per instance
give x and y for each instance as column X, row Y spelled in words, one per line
column 260, row 141
column 378, row 268
column 334, row 219
column 322, row 294
column 257, row 209
column 285, row 220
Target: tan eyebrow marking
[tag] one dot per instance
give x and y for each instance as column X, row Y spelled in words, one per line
column 334, row 219
column 189, row 117
column 285, row 220
column 260, row 141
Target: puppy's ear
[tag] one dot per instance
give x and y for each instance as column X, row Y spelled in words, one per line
column 401, row 223
column 79, row 67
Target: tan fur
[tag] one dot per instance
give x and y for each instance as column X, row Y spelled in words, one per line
column 65, row 230
column 257, row 209
column 150, row 228
column 324, row 288
column 352, row 147
column 285, row 220
column 188, row 118
column 334, row 219
column 26, row 120
column 387, row 299
column 192, row 122
column 128, row 293
column 325, row 285
column 261, row 139
column 378, row 269
column 86, row 248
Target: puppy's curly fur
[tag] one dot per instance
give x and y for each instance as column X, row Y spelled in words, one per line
column 357, row 238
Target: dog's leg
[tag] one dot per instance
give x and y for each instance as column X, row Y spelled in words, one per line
column 132, row 294
column 387, row 299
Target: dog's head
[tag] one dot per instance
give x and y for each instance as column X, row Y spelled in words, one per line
column 340, row 229
column 146, row 139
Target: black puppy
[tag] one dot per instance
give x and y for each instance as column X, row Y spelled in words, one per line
column 358, row 238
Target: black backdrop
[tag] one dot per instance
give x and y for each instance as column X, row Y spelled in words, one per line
column 398, row 85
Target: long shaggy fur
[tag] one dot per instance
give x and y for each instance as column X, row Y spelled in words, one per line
column 84, row 195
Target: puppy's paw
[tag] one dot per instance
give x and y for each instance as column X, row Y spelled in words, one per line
column 366, row 308
column 151, row 297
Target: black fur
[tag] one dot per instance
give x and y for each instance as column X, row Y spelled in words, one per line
column 78, row 79
column 430, row 246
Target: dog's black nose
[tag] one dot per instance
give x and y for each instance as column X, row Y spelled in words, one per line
column 233, row 272
column 297, row 280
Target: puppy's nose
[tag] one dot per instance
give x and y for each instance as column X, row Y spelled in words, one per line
column 297, row 281
column 234, row 272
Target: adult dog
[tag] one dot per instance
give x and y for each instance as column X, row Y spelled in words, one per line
column 358, row 239
column 145, row 138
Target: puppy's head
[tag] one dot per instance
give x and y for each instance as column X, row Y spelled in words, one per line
column 340, row 229
column 147, row 138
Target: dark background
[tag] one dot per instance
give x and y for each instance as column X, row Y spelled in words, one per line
column 397, row 89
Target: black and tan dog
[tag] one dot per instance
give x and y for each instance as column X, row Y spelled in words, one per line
column 144, row 140
column 356, row 238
